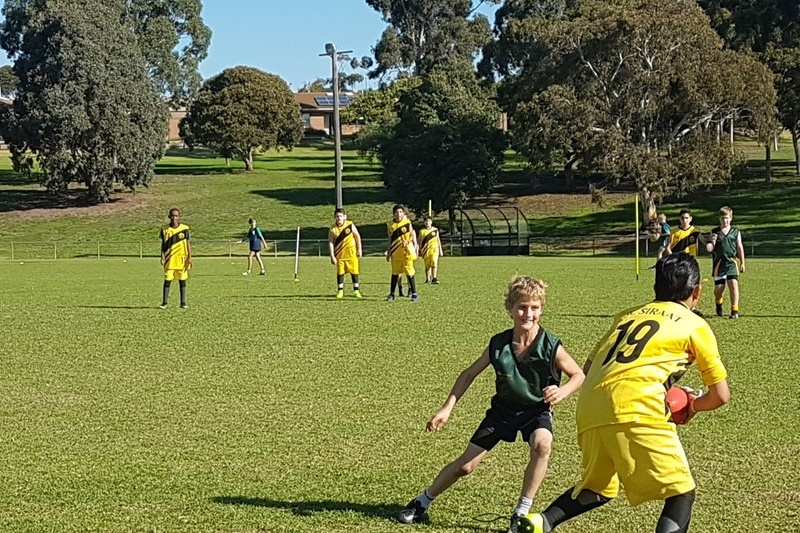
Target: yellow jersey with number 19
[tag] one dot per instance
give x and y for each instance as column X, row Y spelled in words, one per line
column 648, row 348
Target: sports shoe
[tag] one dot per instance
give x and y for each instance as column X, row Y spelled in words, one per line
column 246, row 273
column 434, row 281
column 390, row 298
column 357, row 293
column 340, row 294
column 414, row 512
column 531, row 523
column 698, row 313
column 263, row 273
column 184, row 305
column 427, row 281
column 734, row 315
column 162, row 306
column 414, row 297
column 719, row 309
column 514, row 526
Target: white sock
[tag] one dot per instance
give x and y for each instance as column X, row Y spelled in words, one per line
column 424, row 499
column 523, row 506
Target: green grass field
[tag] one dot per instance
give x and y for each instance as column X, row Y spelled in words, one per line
column 271, row 406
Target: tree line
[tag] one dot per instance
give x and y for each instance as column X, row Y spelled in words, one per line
column 634, row 93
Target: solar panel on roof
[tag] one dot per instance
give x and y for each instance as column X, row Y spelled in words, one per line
column 344, row 100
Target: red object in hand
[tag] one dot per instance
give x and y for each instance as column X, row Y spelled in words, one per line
column 679, row 403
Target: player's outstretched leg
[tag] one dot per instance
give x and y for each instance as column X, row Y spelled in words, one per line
column 561, row 510
column 677, row 514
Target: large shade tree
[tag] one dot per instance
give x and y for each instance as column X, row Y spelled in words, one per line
column 170, row 35
column 633, row 89
column 771, row 30
column 241, row 110
column 421, row 33
column 446, row 146
column 86, row 111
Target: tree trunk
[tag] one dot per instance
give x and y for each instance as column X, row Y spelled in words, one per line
column 796, row 153
column 247, row 157
column 768, row 149
column 649, row 211
column 731, row 135
column 569, row 173
column 451, row 218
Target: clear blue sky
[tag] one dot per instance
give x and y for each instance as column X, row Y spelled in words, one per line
column 286, row 37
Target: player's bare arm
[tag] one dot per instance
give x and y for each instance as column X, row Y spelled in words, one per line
column 554, row 394
column 188, row 252
column 357, row 237
column 740, row 252
column 718, row 395
column 331, row 253
column 462, row 384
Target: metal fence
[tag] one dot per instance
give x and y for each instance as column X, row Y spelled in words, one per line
column 780, row 245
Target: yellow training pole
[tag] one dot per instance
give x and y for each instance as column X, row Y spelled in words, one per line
column 636, row 231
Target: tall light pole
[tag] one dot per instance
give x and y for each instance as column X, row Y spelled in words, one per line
column 330, row 50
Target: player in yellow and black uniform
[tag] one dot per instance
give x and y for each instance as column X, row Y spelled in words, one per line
column 344, row 247
column 176, row 255
column 430, row 248
column 624, row 428
column 686, row 237
column 402, row 251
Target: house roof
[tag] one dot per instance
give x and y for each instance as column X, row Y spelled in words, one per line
column 322, row 101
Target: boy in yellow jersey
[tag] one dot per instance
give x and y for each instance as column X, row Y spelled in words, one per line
column 176, row 256
column 728, row 251
column 430, row 248
column 528, row 361
column 624, row 428
column 344, row 247
column 685, row 239
column 402, row 251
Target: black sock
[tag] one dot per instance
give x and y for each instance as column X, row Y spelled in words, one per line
column 354, row 277
column 182, row 284
column 565, row 508
column 393, row 284
column 165, row 297
column 340, row 282
column 677, row 514
column 412, row 284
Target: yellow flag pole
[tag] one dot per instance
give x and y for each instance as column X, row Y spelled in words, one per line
column 636, row 231
column 430, row 208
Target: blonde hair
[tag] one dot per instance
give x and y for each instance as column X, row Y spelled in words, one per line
column 521, row 286
column 725, row 211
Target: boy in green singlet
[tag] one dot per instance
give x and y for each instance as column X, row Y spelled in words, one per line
column 528, row 362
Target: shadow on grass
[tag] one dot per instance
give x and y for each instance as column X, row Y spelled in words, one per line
column 27, row 200
column 310, row 508
column 179, row 169
column 117, row 307
column 312, row 197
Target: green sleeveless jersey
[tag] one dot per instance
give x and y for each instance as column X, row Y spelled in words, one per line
column 520, row 378
column 725, row 247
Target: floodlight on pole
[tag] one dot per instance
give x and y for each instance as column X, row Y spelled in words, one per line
column 330, row 50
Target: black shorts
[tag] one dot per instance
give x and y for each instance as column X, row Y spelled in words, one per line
column 255, row 251
column 496, row 427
